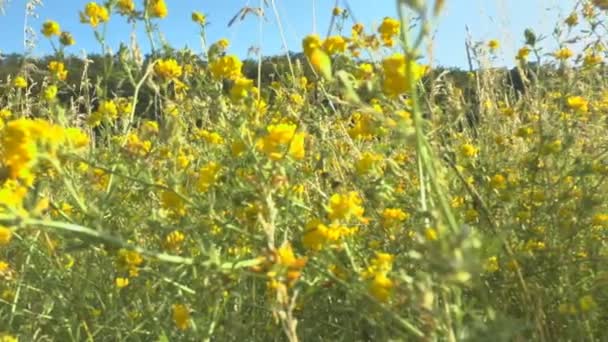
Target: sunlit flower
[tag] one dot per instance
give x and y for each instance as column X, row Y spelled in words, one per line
column 181, row 316
column 388, row 30
column 207, row 176
column 126, row 7
column 563, row 54
column 241, row 88
column 51, row 28
column 20, row 82
column 345, row 206
column 168, row 69
column 199, row 18
column 5, row 235
column 491, row 264
column 67, row 39
column 50, row 92
column 523, row 53
column 94, row 14
column 281, row 140
column 396, row 81
column 578, row 104
column 334, row 45
column 158, row 8
column 121, row 282
column 58, row 70
column 174, row 240
column 226, row 67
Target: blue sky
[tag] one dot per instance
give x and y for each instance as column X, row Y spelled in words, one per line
column 501, row 19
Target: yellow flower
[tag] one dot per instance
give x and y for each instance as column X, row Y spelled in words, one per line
column 286, row 257
column 600, row 220
column 523, row 53
column 345, row 206
column 367, row 162
column 468, row 150
column 5, row 113
column 578, row 104
column 76, row 138
column 396, row 80
column 108, row 110
column 587, row 303
column 337, row 11
column 94, row 14
column 51, row 28
column 388, row 29
column 493, row 44
column 321, row 63
column 207, row 176
column 223, row 43
column 5, row 236
column 122, row 282
column 572, row 19
column 136, row 146
column 357, row 30
column 7, row 338
column 592, row 59
column 199, row 18
column 431, row 234
column 50, row 92
column 279, row 138
column 498, row 181
column 563, row 54
column 237, row 148
column 491, row 265
column 174, row 240
column 334, row 45
column 311, row 43
column 129, row 261
column 12, row 195
column 381, row 287
column 20, row 140
column 393, row 216
column 317, row 234
column 58, row 70
column 365, row 71
column 210, row 137
column 226, row 67
column 241, row 88
column 150, row 127
column 126, row 7
column 66, row 39
column 20, row 82
column 181, row 316
column 168, row 69
column 158, row 8
column 173, row 202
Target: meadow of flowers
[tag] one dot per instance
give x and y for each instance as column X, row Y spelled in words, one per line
column 359, row 196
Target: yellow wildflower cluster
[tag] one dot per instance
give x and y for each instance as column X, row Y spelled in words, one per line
column 282, row 140
column 94, row 14
column 396, row 77
column 226, row 67
column 319, row 235
column 57, row 70
column 168, row 69
column 380, row 285
column 23, row 141
column 388, row 30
